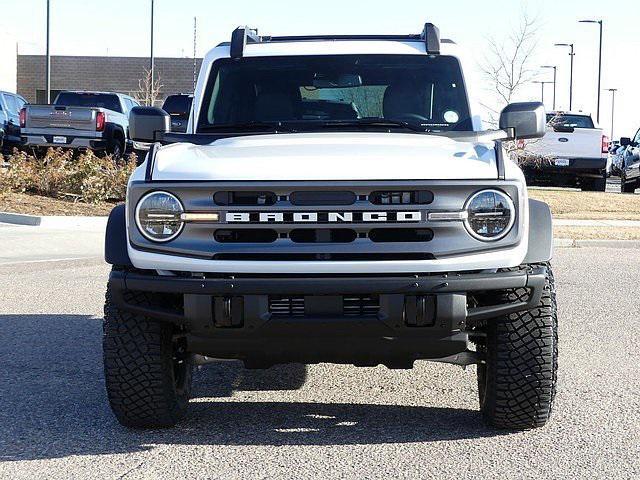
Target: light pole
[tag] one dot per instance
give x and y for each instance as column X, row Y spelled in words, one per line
column 151, row 62
column 613, row 107
column 542, row 84
column 599, row 22
column 47, row 67
column 571, row 54
column 555, row 75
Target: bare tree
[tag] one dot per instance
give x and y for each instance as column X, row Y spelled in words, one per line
column 148, row 92
column 507, row 66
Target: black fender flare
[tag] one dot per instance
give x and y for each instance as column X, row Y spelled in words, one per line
column 115, row 242
column 540, row 233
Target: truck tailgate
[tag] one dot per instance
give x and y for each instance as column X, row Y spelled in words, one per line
column 581, row 143
column 60, row 117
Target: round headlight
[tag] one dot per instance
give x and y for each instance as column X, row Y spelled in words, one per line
column 158, row 216
column 490, row 215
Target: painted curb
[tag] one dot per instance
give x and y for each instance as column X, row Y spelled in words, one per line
column 20, row 219
column 54, row 222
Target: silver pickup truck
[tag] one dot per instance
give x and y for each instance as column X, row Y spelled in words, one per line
column 80, row 120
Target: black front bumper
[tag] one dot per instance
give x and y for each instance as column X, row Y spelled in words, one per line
column 232, row 317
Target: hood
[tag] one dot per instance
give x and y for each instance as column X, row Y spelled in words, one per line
column 328, row 156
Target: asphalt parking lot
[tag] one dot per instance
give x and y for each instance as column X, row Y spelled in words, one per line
column 321, row 421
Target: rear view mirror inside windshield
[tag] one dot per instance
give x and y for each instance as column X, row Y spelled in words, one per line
column 344, row 80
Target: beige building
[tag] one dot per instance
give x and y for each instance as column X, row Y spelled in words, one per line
column 112, row 74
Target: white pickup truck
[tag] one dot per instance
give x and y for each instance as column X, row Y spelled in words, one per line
column 573, row 153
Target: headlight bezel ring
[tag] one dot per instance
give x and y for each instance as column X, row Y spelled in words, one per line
column 137, row 219
column 469, row 216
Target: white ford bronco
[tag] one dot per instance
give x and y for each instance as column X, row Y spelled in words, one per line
column 334, row 199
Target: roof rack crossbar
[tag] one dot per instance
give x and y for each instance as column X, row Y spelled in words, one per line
column 243, row 35
column 431, row 37
column 239, row 39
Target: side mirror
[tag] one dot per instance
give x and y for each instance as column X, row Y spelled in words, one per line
column 625, row 141
column 525, row 120
column 148, row 124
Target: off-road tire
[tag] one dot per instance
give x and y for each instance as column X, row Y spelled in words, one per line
column 595, row 185
column 627, row 187
column 148, row 380
column 517, row 382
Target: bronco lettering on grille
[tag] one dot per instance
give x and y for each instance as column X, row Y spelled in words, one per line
column 324, row 217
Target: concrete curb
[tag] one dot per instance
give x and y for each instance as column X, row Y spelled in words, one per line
column 55, row 222
column 571, row 243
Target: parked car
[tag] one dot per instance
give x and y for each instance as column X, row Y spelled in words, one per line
column 80, row 120
column 572, row 153
column 10, row 106
column 382, row 227
column 616, row 154
column 178, row 106
column 630, row 176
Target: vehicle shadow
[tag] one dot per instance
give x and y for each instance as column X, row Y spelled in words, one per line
column 53, row 403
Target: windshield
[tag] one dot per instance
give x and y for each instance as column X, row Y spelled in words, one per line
column 100, row 100
column 315, row 92
column 574, row 121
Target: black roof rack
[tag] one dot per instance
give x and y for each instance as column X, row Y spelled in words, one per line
column 244, row 35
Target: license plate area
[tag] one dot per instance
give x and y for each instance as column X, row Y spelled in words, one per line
column 59, row 139
column 561, row 162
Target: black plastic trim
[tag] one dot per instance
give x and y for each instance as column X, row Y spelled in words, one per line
column 115, row 244
column 151, row 162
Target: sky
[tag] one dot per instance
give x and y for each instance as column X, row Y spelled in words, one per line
column 121, row 28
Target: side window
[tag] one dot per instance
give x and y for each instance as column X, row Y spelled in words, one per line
column 636, row 139
column 21, row 102
column 11, row 103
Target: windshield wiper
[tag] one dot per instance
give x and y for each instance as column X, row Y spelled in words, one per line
column 375, row 122
column 252, row 125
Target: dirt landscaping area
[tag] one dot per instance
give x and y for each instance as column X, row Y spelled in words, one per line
column 579, row 205
column 39, row 205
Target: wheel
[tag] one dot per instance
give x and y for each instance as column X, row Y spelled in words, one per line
column 517, row 382
column 595, row 185
column 627, row 187
column 115, row 148
column 147, row 374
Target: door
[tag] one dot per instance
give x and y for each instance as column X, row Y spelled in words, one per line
column 632, row 159
column 13, row 105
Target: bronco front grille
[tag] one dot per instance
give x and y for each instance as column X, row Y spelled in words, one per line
column 322, row 221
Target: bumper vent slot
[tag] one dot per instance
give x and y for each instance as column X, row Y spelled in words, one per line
column 322, row 198
column 262, row 235
column 361, row 306
column 384, row 235
column 333, row 235
column 352, row 306
column 407, row 197
column 286, row 306
column 245, row 199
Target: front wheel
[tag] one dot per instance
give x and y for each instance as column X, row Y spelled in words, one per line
column 147, row 373
column 517, row 382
